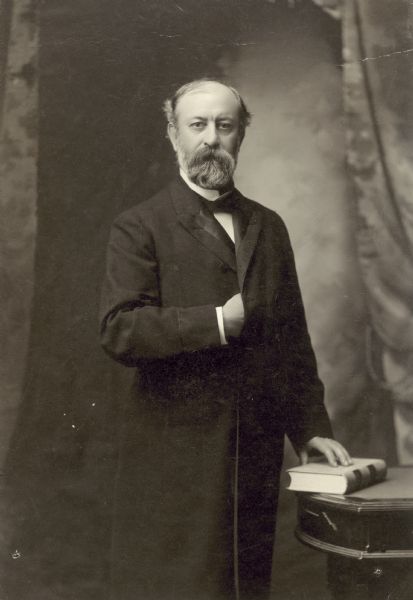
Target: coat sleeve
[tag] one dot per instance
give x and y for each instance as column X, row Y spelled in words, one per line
column 134, row 323
column 306, row 415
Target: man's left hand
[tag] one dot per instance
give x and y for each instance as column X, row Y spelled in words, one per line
column 333, row 451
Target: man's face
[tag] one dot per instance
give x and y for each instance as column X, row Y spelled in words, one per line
column 206, row 137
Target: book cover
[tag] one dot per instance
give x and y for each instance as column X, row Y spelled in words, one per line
column 320, row 477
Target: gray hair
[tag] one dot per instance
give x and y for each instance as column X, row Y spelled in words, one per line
column 170, row 104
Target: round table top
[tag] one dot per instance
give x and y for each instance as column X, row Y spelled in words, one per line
column 395, row 493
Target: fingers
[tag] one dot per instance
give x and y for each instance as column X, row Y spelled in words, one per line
column 341, row 453
column 233, row 315
column 333, row 451
column 303, row 457
column 330, row 456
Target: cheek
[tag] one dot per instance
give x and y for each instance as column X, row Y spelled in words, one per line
column 231, row 144
column 188, row 143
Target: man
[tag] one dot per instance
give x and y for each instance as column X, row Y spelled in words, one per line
column 201, row 296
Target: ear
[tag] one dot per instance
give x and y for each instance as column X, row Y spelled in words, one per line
column 172, row 134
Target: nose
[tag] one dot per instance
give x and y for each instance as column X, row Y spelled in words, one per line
column 211, row 137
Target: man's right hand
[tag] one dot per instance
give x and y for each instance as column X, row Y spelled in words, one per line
column 234, row 316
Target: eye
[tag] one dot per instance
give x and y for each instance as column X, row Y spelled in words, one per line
column 197, row 125
column 225, row 125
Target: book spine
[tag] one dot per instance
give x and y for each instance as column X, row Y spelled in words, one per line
column 365, row 476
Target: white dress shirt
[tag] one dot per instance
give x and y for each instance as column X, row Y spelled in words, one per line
column 225, row 219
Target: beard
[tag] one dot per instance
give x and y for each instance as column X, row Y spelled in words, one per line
column 211, row 169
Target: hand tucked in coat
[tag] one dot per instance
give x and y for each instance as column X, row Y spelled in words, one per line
column 234, row 315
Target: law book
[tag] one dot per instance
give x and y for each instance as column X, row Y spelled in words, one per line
column 321, row 478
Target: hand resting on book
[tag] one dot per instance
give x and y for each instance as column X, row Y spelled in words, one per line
column 333, row 451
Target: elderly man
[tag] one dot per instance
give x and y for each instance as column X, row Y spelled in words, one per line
column 201, row 297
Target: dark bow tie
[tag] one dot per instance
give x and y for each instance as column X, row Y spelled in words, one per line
column 225, row 203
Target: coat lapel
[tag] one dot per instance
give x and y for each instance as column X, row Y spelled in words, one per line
column 200, row 224
column 248, row 243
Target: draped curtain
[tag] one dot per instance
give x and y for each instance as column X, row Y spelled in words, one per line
column 378, row 97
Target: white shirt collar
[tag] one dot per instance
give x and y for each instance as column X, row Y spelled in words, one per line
column 207, row 194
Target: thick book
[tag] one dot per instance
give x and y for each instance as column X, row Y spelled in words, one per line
column 321, row 478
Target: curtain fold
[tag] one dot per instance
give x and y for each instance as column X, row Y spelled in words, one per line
column 378, row 82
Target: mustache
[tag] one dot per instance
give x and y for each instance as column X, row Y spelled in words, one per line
column 208, row 154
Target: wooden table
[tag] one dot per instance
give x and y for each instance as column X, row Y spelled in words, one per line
column 367, row 535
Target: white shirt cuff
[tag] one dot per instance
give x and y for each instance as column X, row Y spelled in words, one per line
column 220, row 319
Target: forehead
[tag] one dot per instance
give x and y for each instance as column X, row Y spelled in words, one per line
column 210, row 100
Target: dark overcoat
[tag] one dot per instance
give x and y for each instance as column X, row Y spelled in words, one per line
column 201, row 443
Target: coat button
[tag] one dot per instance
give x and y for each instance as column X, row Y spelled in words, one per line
column 225, row 268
